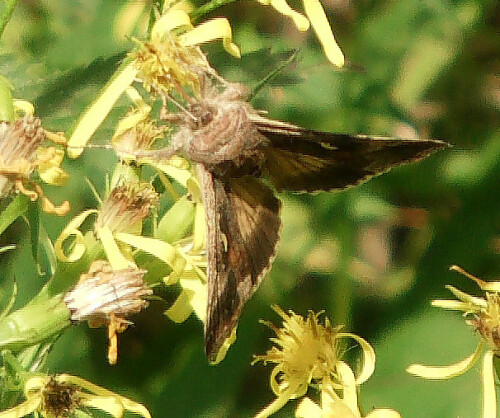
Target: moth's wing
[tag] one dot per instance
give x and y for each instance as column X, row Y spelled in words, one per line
column 243, row 227
column 304, row 160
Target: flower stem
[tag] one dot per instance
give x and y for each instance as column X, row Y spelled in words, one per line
column 208, row 7
column 40, row 320
column 7, row 11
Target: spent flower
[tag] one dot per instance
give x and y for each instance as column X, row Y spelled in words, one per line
column 483, row 314
column 126, row 206
column 21, row 154
column 63, row 395
column 104, row 296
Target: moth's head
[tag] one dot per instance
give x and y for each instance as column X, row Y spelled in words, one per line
column 203, row 113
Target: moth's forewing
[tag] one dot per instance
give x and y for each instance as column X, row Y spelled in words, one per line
column 243, row 226
column 303, row 160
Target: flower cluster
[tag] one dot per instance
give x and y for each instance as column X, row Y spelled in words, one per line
column 134, row 232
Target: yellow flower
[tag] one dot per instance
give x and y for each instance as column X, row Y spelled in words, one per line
column 21, row 154
column 484, row 315
column 309, row 353
column 104, row 296
column 63, row 394
column 169, row 59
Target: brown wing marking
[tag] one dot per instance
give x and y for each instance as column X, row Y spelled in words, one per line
column 243, row 226
column 304, row 160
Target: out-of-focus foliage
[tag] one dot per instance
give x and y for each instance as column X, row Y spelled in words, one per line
column 372, row 257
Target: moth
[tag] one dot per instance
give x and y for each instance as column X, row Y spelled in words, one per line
column 234, row 147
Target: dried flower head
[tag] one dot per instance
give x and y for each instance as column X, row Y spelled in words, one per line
column 126, row 207
column 20, row 155
column 309, row 353
column 104, row 296
column 64, row 395
column 59, row 399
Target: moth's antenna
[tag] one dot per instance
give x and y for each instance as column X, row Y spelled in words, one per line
column 165, row 96
column 93, row 190
column 272, row 74
column 95, row 146
column 181, row 108
column 159, row 154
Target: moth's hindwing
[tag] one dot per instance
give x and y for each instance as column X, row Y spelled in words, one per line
column 243, row 226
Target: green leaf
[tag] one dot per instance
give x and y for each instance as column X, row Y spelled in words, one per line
column 6, row 105
column 15, row 209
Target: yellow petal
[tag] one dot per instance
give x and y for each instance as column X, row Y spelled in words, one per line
column 181, row 309
column 130, row 15
column 278, row 403
column 197, row 296
column 339, row 410
column 160, row 249
column 24, row 106
column 199, row 228
column 177, row 221
column 308, row 409
column 107, row 404
column 128, row 404
column 218, row 28
column 383, row 413
column 464, row 297
column 192, row 297
column 446, row 372
column 71, row 230
column 129, row 122
column 50, row 170
column 316, row 14
column 284, row 8
column 113, row 253
column 172, row 169
column 368, row 356
column 27, row 407
column 350, row 395
column 35, row 383
column 228, row 342
column 99, row 109
column 454, row 305
column 173, row 19
column 487, row 286
column 489, row 395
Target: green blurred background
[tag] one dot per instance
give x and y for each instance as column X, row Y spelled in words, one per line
column 372, row 257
